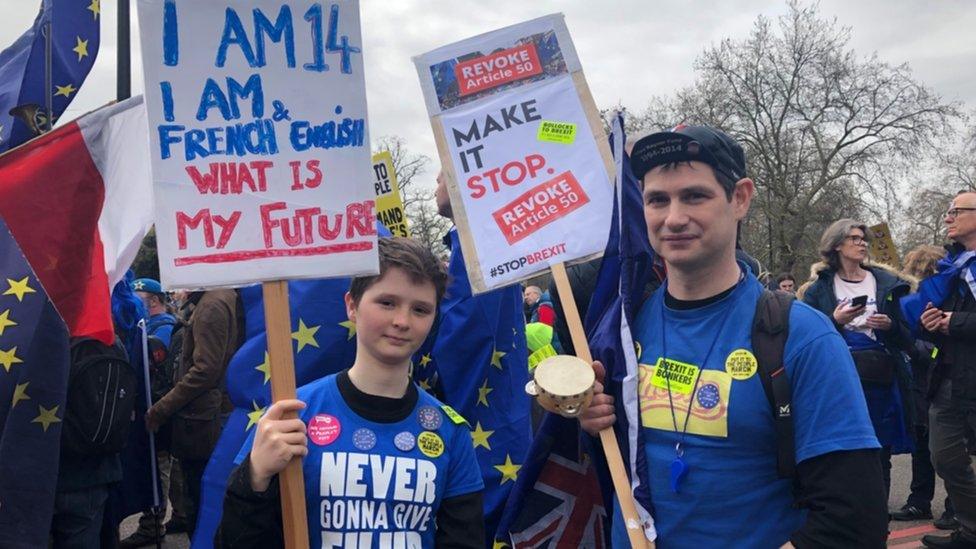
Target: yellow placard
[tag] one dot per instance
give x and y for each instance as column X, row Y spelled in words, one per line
column 563, row 133
column 389, row 203
column 741, row 364
column 430, row 444
column 678, row 377
column 882, row 247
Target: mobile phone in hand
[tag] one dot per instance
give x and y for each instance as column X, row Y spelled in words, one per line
column 859, row 301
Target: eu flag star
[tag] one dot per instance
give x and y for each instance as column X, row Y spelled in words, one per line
column 95, row 7
column 81, row 48
column 305, row 335
column 479, row 436
column 265, row 367
column 19, row 288
column 349, row 325
column 20, row 393
column 508, row 469
column 9, row 358
column 47, row 417
column 483, row 393
column 5, row 321
column 255, row 415
column 65, row 90
column 496, row 358
column 425, row 360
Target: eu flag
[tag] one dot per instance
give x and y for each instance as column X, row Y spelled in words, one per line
column 33, row 384
column 323, row 342
column 476, row 361
column 24, row 85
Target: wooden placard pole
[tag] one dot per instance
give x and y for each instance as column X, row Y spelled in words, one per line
column 611, row 449
column 277, row 321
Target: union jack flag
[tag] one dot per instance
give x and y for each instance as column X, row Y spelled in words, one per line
column 558, row 500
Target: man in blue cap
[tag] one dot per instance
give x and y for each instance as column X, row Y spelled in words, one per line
column 161, row 322
column 701, row 426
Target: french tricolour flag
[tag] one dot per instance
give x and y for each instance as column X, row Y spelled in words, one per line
column 78, row 200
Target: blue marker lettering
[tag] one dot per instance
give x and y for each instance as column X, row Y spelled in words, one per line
column 314, row 16
column 234, row 34
column 167, row 90
column 171, row 39
column 282, row 27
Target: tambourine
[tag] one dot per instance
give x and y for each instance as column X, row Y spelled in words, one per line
column 563, row 385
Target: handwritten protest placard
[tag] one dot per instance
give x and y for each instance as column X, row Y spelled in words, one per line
column 389, row 202
column 882, row 246
column 259, row 140
column 524, row 150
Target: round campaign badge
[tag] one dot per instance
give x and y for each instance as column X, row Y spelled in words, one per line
column 741, row 364
column 708, row 396
column 364, row 439
column 404, row 441
column 430, row 444
column 323, row 429
column 429, row 418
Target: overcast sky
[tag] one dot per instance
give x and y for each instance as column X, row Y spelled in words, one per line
column 630, row 50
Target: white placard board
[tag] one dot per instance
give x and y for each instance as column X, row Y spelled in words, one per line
column 258, row 139
column 524, row 150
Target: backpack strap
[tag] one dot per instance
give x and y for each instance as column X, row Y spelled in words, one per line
column 769, row 331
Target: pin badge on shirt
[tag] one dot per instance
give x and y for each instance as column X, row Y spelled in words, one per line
column 404, row 441
column 324, row 429
column 364, row 439
column 429, row 418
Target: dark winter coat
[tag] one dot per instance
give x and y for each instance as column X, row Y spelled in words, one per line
column 197, row 400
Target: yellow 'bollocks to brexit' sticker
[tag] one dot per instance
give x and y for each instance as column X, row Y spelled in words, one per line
column 563, row 133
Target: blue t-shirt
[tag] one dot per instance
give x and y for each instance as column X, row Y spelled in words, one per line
column 731, row 496
column 371, row 484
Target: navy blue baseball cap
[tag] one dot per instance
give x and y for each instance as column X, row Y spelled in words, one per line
column 147, row 285
column 689, row 143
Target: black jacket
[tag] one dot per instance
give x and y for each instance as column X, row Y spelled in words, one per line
column 956, row 359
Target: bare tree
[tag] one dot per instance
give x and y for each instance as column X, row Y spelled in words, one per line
column 820, row 126
column 408, row 166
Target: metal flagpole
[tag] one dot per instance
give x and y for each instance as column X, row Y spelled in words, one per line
column 123, row 60
column 152, row 436
column 48, row 70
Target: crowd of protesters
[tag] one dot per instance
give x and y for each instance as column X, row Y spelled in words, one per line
column 866, row 375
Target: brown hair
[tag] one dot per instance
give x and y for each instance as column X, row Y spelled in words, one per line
column 411, row 257
column 920, row 262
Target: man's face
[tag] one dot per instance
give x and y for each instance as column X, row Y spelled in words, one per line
column 962, row 225
column 531, row 295
column 690, row 222
column 442, row 198
column 786, row 286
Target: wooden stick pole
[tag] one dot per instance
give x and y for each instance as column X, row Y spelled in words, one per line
column 277, row 321
column 621, row 484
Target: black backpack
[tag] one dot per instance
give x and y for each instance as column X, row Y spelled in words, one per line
column 769, row 331
column 101, row 398
column 164, row 361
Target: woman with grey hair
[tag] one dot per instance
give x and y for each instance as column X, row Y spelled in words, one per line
column 862, row 300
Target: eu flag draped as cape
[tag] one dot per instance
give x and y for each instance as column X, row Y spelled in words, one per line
column 476, row 361
column 33, row 385
column 935, row 289
column 24, row 89
column 555, row 501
